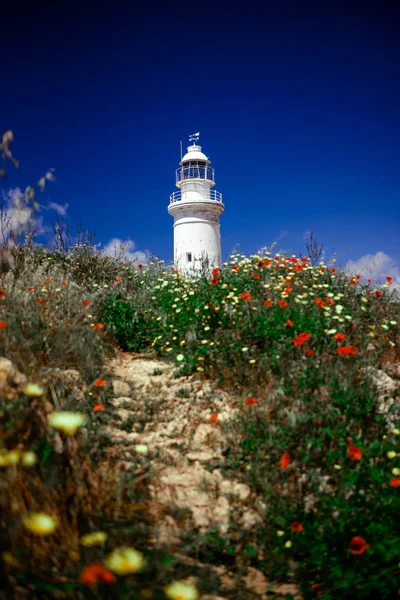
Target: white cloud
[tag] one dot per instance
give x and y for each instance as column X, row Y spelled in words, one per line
column 376, row 266
column 125, row 251
column 61, row 210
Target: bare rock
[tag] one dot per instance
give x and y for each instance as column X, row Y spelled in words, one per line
column 121, row 388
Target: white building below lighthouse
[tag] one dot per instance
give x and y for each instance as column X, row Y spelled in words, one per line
column 196, row 209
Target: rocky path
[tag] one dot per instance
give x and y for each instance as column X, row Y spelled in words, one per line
column 171, row 416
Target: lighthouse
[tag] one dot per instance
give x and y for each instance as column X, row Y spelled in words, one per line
column 196, row 209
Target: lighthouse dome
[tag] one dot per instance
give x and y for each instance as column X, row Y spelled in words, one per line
column 194, row 153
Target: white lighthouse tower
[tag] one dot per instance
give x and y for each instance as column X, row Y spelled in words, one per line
column 196, row 209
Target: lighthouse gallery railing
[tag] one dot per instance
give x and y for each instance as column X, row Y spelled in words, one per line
column 214, row 197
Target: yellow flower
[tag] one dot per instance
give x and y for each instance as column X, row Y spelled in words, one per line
column 12, row 457
column 280, row 533
column 337, row 467
column 142, row 449
column 28, row 459
column 391, row 454
column 93, row 539
column 124, row 561
column 40, row 523
column 396, row 431
column 179, row 590
column 33, row 390
column 396, row 471
column 68, row 422
column 288, row 544
column 9, row 559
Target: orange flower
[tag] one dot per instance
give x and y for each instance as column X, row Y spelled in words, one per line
column 235, row 267
column 97, row 326
column 320, row 302
column 347, row 351
column 64, row 284
column 287, row 290
column 100, row 383
column 94, row 573
column 289, row 323
column 339, row 337
column 86, row 302
column 310, row 352
column 267, row 303
column 296, row 527
column 117, row 280
column 394, row 482
column 285, row 460
column 283, row 304
column 251, row 401
column 2, row 293
column 97, row 407
column 41, row 301
column 31, row 289
column 354, row 452
column 213, row 418
column 3, row 324
column 358, row 545
column 245, row 296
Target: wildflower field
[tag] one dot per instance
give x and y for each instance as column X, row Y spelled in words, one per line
column 308, row 355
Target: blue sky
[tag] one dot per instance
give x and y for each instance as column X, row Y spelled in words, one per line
column 296, row 102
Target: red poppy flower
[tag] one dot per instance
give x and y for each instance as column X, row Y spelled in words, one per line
column 285, row 460
column 301, row 339
column 304, row 259
column 255, row 275
column 245, row 296
column 333, row 270
column 117, row 280
column 2, row 293
column 289, row 323
column 97, row 326
column 213, row 418
column 215, row 272
column 3, row 324
column 267, row 262
column 235, row 267
column 283, row 304
column 358, row 545
column 389, row 280
column 251, row 401
column 320, row 302
column 100, row 383
column 41, row 301
column 296, row 527
column 354, row 452
column 394, row 482
column 339, row 337
column 86, row 302
column 378, row 294
column 31, row 289
column 97, row 407
column 94, row 573
column 310, row 352
column 176, row 271
column 64, row 284
column 287, row 291
column 347, row 351
column 267, row 303
column 215, row 281
column 140, row 266
column 369, row 281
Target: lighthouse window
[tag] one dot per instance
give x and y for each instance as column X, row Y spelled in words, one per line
column 189, row 256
